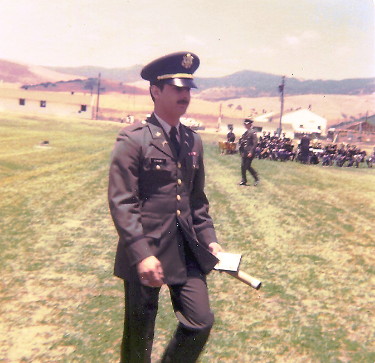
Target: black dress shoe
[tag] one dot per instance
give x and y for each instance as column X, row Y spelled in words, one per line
column 242, row 183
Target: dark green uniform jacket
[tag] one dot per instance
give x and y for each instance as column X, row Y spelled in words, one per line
column 150, row 191
column 248, row 142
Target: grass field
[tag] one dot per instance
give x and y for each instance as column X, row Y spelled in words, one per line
column 306, row 231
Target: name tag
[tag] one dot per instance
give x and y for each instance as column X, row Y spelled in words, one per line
column 158, row 161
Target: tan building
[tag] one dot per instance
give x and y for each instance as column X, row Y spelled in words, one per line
column 47, row 103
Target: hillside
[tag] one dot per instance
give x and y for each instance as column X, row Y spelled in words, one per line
column 12, row 72
column 257, row 84
column 86, row 85
column 127, row 75
column 130, row 95
column 241, row 84
column 335, row 108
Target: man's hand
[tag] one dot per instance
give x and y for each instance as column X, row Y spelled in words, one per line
column 214, row 248
column 150, row 272
column 250, row 155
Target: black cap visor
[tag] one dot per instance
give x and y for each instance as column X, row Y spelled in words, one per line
column 181, row 82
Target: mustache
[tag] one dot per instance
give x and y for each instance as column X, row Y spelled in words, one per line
column 183, row 102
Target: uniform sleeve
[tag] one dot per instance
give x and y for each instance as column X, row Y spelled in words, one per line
column 254, row 143
column 123, row 197
column 202, row 222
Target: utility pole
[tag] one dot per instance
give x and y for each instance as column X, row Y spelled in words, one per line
column 218, row 127
column 97, row 99
column 281, row 90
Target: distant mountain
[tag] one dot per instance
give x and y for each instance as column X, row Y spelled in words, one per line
column 240, row 84
column 88, row 85
column 127, row 75
column 67, row 79
column 13, row 72
column 257, row 84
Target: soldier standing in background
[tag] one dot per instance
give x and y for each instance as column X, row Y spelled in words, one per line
column 231, row 137
column 247, row 144
column 305, row 149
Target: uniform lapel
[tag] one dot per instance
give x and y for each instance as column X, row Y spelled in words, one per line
column 159, row 139
column 186, row 141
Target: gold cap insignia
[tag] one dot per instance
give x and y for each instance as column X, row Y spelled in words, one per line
column 187, row 61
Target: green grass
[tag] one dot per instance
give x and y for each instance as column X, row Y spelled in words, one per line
column 306, row 231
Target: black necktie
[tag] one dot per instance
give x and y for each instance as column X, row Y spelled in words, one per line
column 173, row 136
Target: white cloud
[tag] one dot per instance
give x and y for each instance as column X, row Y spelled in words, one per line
column 292, row 40
column 194, row 41
column 343, row 51
column 262, row 51
column 304, row 37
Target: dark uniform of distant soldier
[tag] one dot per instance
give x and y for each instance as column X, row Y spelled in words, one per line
column 159, row 207
column 247, row 145
column 305, row 149
column 371, row 159
column 231, row 137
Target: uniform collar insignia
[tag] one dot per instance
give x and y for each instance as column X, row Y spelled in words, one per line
column 157, row 134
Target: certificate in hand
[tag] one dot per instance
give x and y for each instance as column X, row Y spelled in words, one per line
column 228, row 261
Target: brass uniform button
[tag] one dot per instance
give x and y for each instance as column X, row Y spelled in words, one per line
column 179, row 165
column 178, row 212
column 179, row 181
column 157, row 167
column 178, row 197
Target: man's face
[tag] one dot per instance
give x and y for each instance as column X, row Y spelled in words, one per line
column 171, row 102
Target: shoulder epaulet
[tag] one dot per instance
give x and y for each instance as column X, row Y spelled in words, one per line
column 139, row 125
column 136, row 126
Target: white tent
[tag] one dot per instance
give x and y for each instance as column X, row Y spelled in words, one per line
column 305, row 121
column 295, row 122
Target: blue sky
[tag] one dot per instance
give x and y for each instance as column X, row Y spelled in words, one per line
column 309, row 39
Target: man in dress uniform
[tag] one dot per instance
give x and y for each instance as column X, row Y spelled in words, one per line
column 160, row 210
column 247, row 145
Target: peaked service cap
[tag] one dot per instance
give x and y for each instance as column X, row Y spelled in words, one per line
column 175, row 69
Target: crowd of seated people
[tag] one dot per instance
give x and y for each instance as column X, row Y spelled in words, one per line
column 345, row 155
column 371, row 159
column 275, row 147
column 281, row 148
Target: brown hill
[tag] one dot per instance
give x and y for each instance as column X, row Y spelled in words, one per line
column 12, row 72
column 335, row 108
column 119, row 98
column 43, row 79
column 87, row 86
